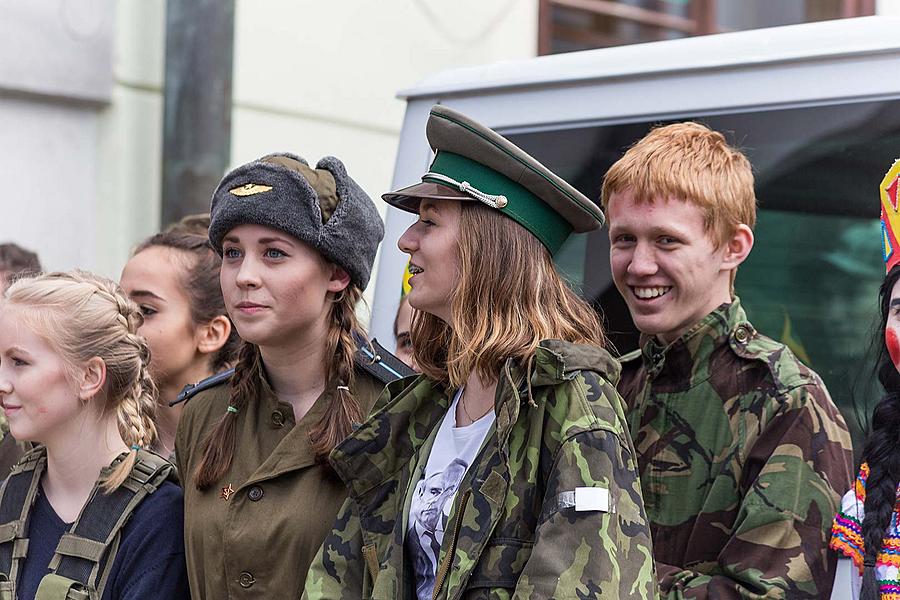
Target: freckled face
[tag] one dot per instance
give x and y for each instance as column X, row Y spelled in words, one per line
column 664, row 264
column 277, row 289
column 154, row 278
column 432, row 244
column 39, row 398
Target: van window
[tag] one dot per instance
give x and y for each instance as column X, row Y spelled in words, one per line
column 812, row 279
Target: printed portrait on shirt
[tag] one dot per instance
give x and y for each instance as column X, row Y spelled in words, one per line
column 428, row 514
column 430, row 507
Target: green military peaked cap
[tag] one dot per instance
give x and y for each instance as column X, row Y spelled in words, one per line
column 475, row 163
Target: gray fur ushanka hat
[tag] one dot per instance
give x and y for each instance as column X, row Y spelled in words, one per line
column 322, row 207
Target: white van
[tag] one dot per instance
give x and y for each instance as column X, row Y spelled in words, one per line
column 816, row 107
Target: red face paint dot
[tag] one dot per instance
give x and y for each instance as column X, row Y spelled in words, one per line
column 893, row 346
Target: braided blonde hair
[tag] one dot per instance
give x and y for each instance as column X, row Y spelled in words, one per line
column 84, row 316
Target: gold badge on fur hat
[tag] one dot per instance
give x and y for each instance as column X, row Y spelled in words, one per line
column 250, row 189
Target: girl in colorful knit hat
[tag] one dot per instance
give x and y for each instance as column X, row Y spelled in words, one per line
column 866, row 529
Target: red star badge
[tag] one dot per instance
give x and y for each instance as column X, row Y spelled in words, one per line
column 227, row 491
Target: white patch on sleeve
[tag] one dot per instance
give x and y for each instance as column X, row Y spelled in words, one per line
column 591, row 499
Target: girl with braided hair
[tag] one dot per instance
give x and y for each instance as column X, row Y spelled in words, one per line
column 74, row 379
column 173, row 277
column 297, row 246
column 867, row 528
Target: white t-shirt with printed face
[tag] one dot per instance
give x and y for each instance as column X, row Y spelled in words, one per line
column 454, row 450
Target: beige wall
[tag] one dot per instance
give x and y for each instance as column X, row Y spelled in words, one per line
column 55, row 81
column 310, row 77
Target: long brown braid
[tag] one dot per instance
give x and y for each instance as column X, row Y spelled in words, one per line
column 343, row 408
column 218, row 445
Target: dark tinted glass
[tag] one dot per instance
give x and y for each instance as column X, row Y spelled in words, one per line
column 812, row 278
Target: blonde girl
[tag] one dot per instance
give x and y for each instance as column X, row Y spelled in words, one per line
column 74, row 380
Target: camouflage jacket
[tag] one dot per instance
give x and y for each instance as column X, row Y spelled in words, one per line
column 515, row 530
column 743, row 458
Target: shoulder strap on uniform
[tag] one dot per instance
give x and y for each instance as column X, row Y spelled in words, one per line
column 371, row 357
column 630, row 356
column 16, row 499
column 192, row 389
column 87, row 551
column 375, row 360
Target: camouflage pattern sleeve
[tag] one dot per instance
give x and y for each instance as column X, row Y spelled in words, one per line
column 792, row 481
column 337, row 571
column 581, row 550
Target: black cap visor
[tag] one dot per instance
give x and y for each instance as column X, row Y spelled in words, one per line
column 409, row 197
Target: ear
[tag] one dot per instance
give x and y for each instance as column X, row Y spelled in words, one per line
column 737, row 248
column 212, row 336
column 92, row 379
column 339, row 279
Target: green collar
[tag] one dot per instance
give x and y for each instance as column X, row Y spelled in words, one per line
column 698, row 341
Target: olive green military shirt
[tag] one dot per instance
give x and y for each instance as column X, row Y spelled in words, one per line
column 254, row 533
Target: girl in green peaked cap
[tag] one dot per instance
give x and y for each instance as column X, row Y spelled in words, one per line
column 506, row 469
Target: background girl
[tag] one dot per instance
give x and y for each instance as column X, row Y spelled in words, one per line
column 402, row 326
column 74, row 378
column 173, row 276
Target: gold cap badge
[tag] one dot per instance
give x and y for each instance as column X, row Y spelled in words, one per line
column 250, row 189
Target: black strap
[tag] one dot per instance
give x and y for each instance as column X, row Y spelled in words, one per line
column 82, row 552
column 371, row 357
column 192, row 389
column 378, row 362
column 16, row 498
